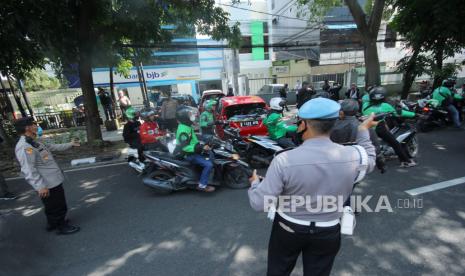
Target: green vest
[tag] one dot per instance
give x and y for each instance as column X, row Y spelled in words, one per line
column 277, row 128
column 185, row 134
column 386, row 108
column 206, row 119
column 442, row 92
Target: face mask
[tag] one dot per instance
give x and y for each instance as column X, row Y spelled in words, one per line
column 40, row 131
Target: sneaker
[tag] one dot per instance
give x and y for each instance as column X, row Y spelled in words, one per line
column 67, row 229
column 8, row 196
column 409, row 164
column 206, row 189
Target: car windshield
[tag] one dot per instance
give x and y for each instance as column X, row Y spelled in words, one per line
column 245, row 111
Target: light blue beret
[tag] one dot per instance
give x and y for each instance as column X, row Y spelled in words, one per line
column 319, row 108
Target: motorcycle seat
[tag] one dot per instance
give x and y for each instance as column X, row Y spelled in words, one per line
column 166, row 156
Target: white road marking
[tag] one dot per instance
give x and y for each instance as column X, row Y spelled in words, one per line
column 436, row 186
column 76, row 169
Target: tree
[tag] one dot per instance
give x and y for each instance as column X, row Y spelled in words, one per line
column 86, row 32
column 37, row 80
column 433, row 27
column 368, row 21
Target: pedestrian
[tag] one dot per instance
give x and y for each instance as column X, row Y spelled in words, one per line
column 168, row 112
column 283, row 94
column 334, row 91
column 107, row 103
column 124, row 102
column 326, row 86
column 297, row 85
column 353, row 93
column 230, row 92
column 304, row 94
column 316, row 170
column 42, row 172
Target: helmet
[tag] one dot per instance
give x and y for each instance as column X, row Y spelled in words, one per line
column 378, row 94
column 277, row 103
column 320, row 109
column 186, row 115
column 208, row 105
column 350, row 107
column 130, row 113
column 145, row 113
column 449, row 83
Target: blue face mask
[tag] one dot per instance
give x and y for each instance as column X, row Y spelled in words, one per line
column 40, row 131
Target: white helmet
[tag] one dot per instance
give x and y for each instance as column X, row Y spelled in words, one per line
column 277, row 103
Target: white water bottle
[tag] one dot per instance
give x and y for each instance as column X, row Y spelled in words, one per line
column 347, row 221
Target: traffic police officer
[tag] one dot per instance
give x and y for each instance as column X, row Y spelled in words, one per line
column 317, row 168
column 43, row 174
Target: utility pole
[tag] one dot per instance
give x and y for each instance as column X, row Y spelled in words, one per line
column 236, row 69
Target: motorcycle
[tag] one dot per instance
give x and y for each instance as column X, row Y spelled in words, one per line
column 405, row 134
column 432, row 116
column 133, row 154
column 166, row 173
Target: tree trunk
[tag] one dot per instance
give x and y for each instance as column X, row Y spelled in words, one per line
column 146, row 97
column 112, row 89
column 17, row 99
column 26, row 98
column 6, row 138
column 7, row 112
column 372, row 70
column 85, row 74
column 438, row 58
column 409, row 74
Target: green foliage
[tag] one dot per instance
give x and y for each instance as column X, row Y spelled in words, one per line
column 435, row 25
column 37, row 80
column 315, row 10
column 124, row 67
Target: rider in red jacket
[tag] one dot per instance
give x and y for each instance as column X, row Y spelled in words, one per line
column 150, row 132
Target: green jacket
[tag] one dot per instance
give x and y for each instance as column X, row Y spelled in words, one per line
column 442, row 92
column 186, row 137
column 206, row 119
column 386, row 108
column 276, row 127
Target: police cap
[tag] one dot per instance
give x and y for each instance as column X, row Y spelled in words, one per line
column 320, row 109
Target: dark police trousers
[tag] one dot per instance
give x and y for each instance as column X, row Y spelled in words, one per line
column 55, row 206
column 318, row 245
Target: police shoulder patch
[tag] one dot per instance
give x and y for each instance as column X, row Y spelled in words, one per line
column 29, row 150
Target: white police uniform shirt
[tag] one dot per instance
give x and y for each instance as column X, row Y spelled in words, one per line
column 37, row 164
column 316, row 168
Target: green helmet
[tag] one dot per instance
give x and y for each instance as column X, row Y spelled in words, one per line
column 208, row 105
column 130, row 113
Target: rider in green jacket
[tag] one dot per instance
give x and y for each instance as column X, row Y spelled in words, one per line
column 379, row 105
column 277, row 129
column 446, row 99
column 207, row 120
column 187, row 140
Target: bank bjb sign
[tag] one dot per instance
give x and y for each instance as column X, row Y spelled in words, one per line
column 280, row 70
column 102, row 77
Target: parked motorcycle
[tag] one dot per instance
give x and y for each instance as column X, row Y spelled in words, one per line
column 166, row 173
column 432, row 116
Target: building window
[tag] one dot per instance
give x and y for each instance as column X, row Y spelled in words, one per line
column 390, row 38
column 247, row 44
column 272, row 4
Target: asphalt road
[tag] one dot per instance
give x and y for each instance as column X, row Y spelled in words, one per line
column 129, row 230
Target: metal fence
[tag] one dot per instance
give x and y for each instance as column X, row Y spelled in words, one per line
column 294, row 81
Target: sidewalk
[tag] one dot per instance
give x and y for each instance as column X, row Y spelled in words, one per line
column 113, row 136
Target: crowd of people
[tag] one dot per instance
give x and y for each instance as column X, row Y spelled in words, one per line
column 330, row 150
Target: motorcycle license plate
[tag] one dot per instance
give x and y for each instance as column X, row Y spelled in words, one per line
column 249, row 123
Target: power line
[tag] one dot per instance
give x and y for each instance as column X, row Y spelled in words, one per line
column 277, row 15
column 223, row 46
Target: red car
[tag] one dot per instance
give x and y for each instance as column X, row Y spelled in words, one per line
column 243, row 112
